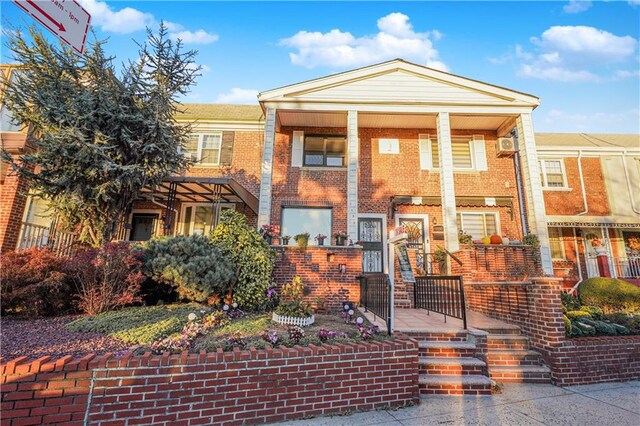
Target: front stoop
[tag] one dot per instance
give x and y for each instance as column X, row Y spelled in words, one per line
column 450, row 367
column 510, row 360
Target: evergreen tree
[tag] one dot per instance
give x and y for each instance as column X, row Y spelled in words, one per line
column 98, row 136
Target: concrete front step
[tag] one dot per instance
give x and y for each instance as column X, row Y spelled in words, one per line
column 504, row 329
column 446, row 349
column 432, row 384
column 507, row 341
column 451, row 366
column 520, row 374
column 442, row 335
column 513, row 357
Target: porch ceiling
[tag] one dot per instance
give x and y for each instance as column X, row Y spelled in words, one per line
column 294, row 118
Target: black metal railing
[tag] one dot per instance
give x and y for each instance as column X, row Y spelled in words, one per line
column 375, row 296
column 441, row 294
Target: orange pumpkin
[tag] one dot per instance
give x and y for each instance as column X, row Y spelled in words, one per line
column 496, row 239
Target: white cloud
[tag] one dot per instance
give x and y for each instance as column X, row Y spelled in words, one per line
column 576, row 6
column 634, row 2
column 627, row 73
column 574, row 54
column 594, row 122
column 129, row 20
column 238, row 96
column 396, row 38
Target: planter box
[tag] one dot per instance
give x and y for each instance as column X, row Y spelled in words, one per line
column 302, row 322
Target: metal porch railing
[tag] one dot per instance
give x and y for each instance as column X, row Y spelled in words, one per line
column 375, row 296
column 441, row 294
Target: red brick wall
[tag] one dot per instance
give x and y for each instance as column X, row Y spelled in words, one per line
column 12, row 204
column 489, row 263
column 570, row 202
column 241, row 387
column 537, row 309
column 327, row 287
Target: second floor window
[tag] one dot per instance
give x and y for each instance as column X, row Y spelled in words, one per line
column 327, row 151
column 552, row 174
column 461, row 150
column 205, row 148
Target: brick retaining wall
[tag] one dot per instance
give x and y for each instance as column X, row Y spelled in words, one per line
column 327, row 287
column 536, row 308
column 241, row 387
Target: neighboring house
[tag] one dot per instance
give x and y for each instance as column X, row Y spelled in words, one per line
column 363, row 152
column 591, row 185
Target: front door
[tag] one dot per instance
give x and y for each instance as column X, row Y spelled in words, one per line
column 142, row 226
column 415, row 230
column 370, row 235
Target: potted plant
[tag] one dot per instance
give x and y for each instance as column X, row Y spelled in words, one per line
column 341, row 238
column 292, row 308
column 284, row 240
column 302, row 240
column 268, row 232
column 464, row 238
column 440, row 258
column 320, row 239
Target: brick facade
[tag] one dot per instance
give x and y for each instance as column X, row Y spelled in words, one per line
column 241, row 387
column 13, row 202
column 328, row 287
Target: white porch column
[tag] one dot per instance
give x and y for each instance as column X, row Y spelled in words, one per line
column 447, row 190
column 264, row 209
column 536, row 215
column 352, row 175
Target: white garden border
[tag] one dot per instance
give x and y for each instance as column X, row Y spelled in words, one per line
column 302, row 322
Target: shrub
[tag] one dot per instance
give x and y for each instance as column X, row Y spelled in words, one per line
column 594, row 311
column 291, row 300
column 570, row 302
column 629, row 321
column 610, row 294
column 251, row 255
column 586, row 329
column 572, row 315
column 106, row 277
column 192, row 264
column 567, row 325
column 600, row 326
column 34, row 283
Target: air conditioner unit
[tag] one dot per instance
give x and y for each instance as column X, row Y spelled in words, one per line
column 506, row 147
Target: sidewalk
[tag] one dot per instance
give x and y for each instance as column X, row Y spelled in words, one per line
column 519, row 404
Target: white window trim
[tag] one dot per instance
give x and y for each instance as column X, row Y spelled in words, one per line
column 200, row 143
column 158, row 227
column 543, row 171
column 394, row 143
column 476, row 212
column 472, row 154
column 183, row 212
column 564, row 254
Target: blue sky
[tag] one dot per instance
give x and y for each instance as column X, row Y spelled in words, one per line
column 581, row 58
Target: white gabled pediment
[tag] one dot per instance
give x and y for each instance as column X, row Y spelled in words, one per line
column 399, row 82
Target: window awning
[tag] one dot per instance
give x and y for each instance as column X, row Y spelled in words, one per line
column 201, row 190
column 412, row 200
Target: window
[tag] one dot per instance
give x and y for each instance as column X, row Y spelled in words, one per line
column 298, row 220
column 462, row 153
column 6, row 117
column 204, row 148
column 552, row 174
column 479, row 225
column 326, row 151
column 200, row 218
column 388, row 146
column 556, row 243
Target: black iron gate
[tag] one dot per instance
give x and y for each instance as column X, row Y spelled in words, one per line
column 442, row 294
column 375, row 296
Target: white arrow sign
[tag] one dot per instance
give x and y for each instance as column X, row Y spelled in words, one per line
column 65, row 18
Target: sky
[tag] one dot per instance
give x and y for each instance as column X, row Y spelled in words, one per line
column 581, row 58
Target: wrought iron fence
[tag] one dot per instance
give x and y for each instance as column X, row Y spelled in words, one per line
column 626, row 267
column 441, row 294
column 375, row 296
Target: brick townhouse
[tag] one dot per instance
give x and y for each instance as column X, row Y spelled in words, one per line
column 365, row 151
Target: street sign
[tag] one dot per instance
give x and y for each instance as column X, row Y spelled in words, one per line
column 64, row 18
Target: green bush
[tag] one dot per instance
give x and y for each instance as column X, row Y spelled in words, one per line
column 192, row 264
column 594, row 311
column 33, row 282
column 620, row 329
column 610, row 294
column 573, row 315
column 629, row 321
column 251, row 255
column 567, row 325
column 291, row 300
column 570, row 302
column 600, row 326
column 141, row 325
column 586, row 329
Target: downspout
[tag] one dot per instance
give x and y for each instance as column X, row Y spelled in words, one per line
column 584, row 192
column 519, row 185
column 164, row 206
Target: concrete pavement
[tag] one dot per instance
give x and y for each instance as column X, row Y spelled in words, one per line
column 519, row 404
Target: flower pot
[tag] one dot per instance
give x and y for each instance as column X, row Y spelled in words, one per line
column 268, row 239
column 340, row 241
column 505, row 241
column 285, row 241
column 320, row 241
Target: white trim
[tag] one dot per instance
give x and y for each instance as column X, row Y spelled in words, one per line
column 156, row 230
column 266, row 173
column 199, row 126
column 392, row 143
column 447, row 183
column 495, row 213
column 543, row 169
column 352, row 148
column 561, row 240
column 426, row 160
column 393, row 66
column 216, row 213
column 201, row 137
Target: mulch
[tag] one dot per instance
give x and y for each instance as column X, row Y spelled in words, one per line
column 35, row 338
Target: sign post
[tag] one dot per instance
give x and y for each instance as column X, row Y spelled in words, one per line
column 64, row 18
